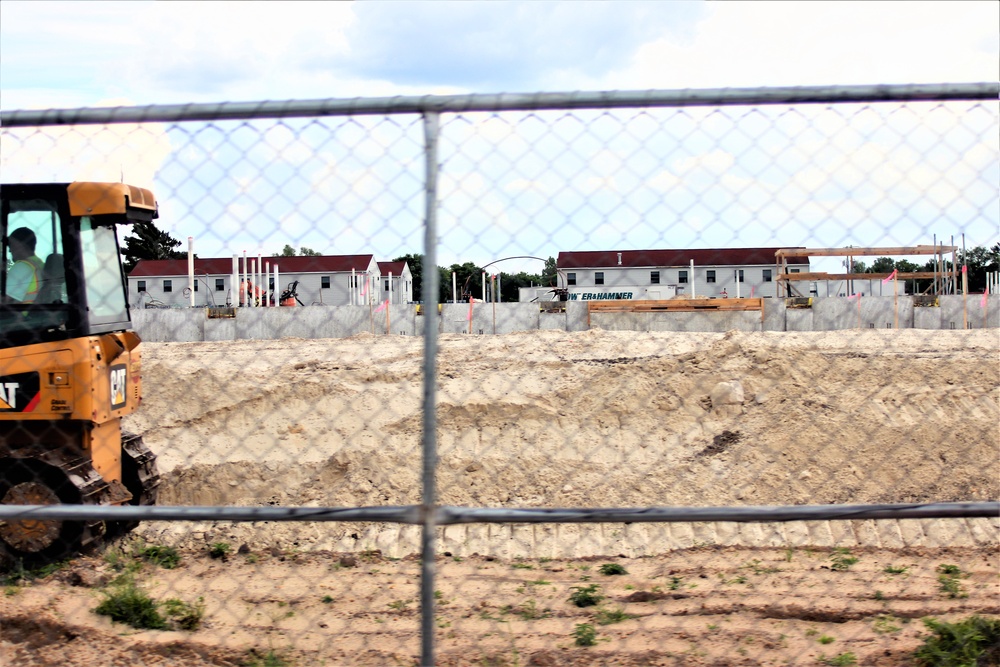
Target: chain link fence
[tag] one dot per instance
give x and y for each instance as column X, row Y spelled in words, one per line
column 625, row 489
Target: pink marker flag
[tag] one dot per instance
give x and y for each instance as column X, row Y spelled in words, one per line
column 889, row 277
column 982, row 302
column 382, row 306
column 856, row 295
column 364, row 287
column 471, row 301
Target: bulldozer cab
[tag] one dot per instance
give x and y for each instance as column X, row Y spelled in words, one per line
column 62, row 275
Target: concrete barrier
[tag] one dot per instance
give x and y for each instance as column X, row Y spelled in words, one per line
column 824, row 314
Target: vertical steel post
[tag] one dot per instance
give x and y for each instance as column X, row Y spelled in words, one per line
column 429, row 295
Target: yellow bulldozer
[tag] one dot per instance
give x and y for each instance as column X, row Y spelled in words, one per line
column 70, row 367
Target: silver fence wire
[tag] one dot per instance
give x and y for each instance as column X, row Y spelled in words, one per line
column 587, row 423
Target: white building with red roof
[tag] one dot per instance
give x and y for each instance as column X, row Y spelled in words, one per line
column 665, row 274
column 330, row 280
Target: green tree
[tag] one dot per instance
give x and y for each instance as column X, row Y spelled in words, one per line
column 289, row 251
column 980, row 261
column 416, row 264
column 549, row 273
column 882, row 265
column 147, row 241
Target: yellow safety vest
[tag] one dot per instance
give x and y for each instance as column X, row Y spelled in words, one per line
column 37, row 265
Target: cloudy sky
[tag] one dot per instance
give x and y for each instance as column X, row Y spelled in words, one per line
column 67, row 54
column 72, row 54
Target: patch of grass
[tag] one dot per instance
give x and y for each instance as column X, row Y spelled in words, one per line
column 842, row 560
column 585, row 596
column 130, row 605
column 948, row 581
column 219, row 549
column 19, row 575
column 675, row 583
column 165, row 557
column 893, row 569
column 522, row 566
column 611, row 616
column 269, row 659
column 326, row 599
column 612, row 569
column 182, row 615
column 529, row 611
column 584, row 634
column 839, row 660
column 884, row 625
column 756, row 567
column 972, row 642
column 826, row 639
column 399, row 605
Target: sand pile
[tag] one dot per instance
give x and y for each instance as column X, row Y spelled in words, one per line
column 555, row 419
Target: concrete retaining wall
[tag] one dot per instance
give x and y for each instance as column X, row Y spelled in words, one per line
column 194, row 324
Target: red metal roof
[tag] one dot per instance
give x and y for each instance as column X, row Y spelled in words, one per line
column 395, row 268
column 599, row 259
column 223, row 266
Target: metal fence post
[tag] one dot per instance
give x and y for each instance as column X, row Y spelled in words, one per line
column 429, row 294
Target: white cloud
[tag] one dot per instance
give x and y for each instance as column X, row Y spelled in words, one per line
column 822, row 43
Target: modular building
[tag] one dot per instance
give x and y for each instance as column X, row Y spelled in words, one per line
column 328, row 280
column 665, row 274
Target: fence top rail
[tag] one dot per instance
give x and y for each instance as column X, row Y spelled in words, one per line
column 502, row 102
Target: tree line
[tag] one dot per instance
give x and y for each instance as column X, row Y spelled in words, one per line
column 148, row 242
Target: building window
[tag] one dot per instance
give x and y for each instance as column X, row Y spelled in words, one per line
column 767, row 275
column 220, row 285
column 682, row 277
column 599, row 277
column 195, row 285
column 385, row 285
column 324, row 282
column 794, row 270
column 741, row 275
column 141, row 285
column 168, row 285
column 570, row 278
column 710, row 276
column 654, row 277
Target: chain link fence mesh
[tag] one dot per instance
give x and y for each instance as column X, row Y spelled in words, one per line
column 765, row 485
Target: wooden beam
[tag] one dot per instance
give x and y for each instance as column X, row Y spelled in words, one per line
column 674, row 305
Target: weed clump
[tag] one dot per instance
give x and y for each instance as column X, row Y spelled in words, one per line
column 842, row 560
column 612, row 569
column 165, row 557
column 584, row 635
column 129, row 604
column 220, row 550
column 973, row 642
column 585, row 596
column 126, row 603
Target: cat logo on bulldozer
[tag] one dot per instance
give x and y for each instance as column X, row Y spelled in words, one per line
column 119, row 384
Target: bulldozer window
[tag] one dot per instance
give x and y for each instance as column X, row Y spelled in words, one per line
column 106, row 297
column 31, row 233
